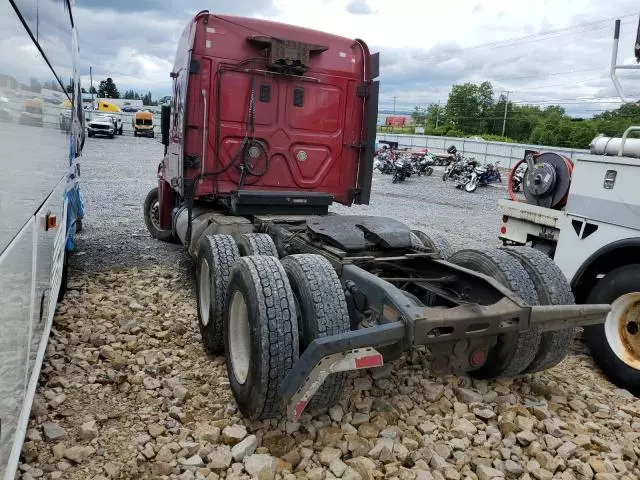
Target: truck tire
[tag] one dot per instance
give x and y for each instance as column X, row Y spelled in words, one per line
column 552, row 288
column 260, row 334
column 514, row 351
column 216, row 256
column 322, row 311
column 615, row 344
column 151, row 217
column 436, row 241
column 256, row 244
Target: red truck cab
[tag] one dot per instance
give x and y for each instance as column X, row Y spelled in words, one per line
column 260, row 110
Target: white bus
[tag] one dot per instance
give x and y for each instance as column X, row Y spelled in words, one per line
column 41, row 138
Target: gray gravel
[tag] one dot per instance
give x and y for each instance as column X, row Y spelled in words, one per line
column 116, row 175
column 469, row 220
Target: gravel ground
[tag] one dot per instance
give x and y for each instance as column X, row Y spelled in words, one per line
column 116, row 176
column 127, row 390
column 469, row 220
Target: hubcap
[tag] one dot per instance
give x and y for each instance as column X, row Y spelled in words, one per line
column 239, row 338
column 154, row 215
column 204, row 288
column 622, row 329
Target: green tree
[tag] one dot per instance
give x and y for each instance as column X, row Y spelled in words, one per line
column 468, row 106
column 419, row 115
column 435, row 115
column 108, row 89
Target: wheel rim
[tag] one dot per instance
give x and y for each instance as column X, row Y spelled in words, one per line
column 622, row 329
column 470, row 186
column 205, row 292
column 154, row 214
column 239, row 338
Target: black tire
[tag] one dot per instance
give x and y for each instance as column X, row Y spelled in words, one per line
column 436, row 241
column 395, row 178
column 89, row 134
column 616, row 283
column 260, row 284
column 429, row 171
column 256, row 244
column 112, row 135
column 445, row 176
column 216, row 256
column 150, row 206
column 322, row 311
column 120, row 131
column 135, row 133
column 513, row 352
column 552, row 288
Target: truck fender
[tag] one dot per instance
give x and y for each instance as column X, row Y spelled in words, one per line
column 604, row 259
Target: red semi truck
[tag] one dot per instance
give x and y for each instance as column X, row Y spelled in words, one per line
column 268, row 125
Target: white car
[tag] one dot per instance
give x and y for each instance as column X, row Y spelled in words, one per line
column 101, row 125
column 117, row 122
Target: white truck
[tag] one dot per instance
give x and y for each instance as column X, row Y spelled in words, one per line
column 586, row 216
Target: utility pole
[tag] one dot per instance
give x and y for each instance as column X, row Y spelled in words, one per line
column 394, row 105
column 506, row 104
column 438, row 114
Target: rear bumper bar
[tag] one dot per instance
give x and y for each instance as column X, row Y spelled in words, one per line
column 405, row 323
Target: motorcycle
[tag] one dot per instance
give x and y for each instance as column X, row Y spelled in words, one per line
column 422, row 164
column 384, row 161
column 402, row 170
column 456, row 169
column 518, row 178
column 482, row 175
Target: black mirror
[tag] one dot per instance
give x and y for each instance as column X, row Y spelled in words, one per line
column 165, row 117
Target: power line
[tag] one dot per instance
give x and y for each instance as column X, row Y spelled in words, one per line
column 550, row 34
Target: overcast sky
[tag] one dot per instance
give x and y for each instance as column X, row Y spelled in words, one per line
column 425, row 46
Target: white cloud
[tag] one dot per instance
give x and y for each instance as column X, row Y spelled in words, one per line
column 425, row 46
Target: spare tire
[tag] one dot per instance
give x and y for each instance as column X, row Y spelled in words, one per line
column 513, row 352
column 552, row 288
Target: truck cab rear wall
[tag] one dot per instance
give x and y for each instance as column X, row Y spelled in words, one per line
column 309, row 126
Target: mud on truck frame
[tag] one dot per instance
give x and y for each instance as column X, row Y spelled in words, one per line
column 268, row 125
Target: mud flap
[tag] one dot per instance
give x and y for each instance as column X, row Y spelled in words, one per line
column 356, row 359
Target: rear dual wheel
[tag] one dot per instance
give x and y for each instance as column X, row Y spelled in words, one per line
column 534, row 277
column 513, row 352
column 263, row 313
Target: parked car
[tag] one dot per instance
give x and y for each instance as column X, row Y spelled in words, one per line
column 117, row 122
column 142, row 123
column 129, row 109
column 101, row 125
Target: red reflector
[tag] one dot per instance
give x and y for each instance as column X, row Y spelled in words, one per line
column 477, row 358
column 369, row 361
column 300, row 408
column 503, row 230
